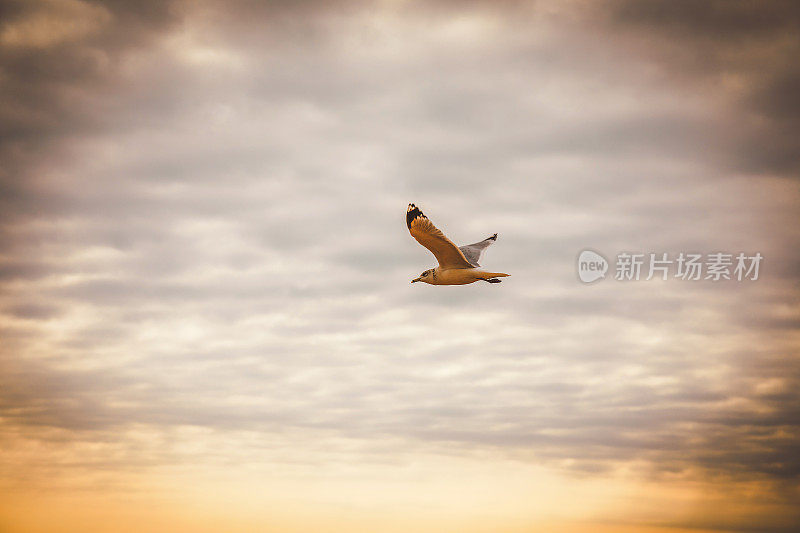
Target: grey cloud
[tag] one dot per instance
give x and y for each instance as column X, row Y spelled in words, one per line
column 717, row 20
column 54, row 90
column 713, row 42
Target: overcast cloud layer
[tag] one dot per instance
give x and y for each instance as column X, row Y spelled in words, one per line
column 201, row 222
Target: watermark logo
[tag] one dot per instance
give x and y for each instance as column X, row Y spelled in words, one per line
column 632, row 266
column 591, row 266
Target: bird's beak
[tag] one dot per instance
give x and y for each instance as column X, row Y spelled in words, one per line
column 416, row 280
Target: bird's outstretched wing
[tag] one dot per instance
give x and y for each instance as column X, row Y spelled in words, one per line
column 473, row 252
column 429, row 236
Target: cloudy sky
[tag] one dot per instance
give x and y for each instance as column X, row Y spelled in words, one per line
column 206, row 320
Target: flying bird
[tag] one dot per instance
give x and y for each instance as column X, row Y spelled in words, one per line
column 457, row 265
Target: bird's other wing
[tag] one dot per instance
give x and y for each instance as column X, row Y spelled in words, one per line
column 429, row 236
column 473, row 252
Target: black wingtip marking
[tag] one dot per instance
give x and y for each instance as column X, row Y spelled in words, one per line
column 493, row 237
column 412, row 213
column 494, row 280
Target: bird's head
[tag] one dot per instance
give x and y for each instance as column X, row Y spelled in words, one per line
column 426, row 276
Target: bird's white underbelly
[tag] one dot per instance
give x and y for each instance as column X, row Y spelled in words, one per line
column 457, row 276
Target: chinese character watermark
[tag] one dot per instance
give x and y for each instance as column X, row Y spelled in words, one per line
column 630, row 266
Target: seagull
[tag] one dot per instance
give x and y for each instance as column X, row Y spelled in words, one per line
column 457, row 265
